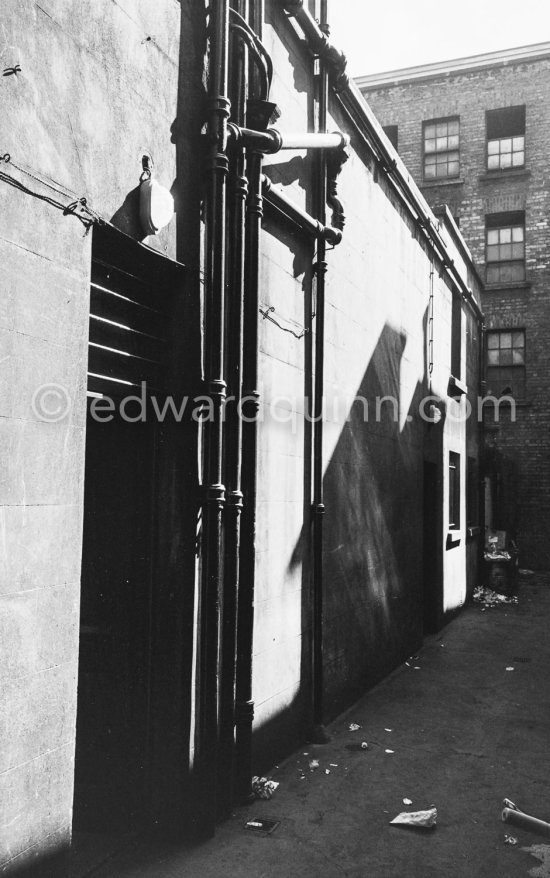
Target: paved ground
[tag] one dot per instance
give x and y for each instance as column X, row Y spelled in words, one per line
column 465, row 731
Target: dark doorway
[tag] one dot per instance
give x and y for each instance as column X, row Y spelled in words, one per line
column 128, row 364
column 432, row 548
column 113, row 685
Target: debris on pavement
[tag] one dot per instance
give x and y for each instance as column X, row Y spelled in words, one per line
column 490, row 598
column 388, row 730
column 514, row 815
column 510, row 668
column 263, row 787
column 333, row 764
column 354, row 727
column 389, row 751
column 523, row 572
column 364, row 745
column 424, row 819
column 262, row 825
column 407, row 801
column 327, row 770
column 313, row 764
column 510, row 839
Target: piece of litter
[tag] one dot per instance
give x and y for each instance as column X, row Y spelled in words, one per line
column 510, row 668
column 364, row 745
column 327, row 770
column 490, row 598
column 387, row 730
column 416, row 668
column 510, row 839
column 407, row 801
column 389, row 751
column 424, row 819
column 263, row 788
column 354, row 727
column 262, row 825
column 333, row 764
column 313, row 764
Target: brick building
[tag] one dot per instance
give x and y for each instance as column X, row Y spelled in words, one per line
column 187, row 594
column 474, row 134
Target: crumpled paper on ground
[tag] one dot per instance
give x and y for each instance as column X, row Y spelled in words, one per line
column 490, row 598
column 263, row 788
column 424, row 819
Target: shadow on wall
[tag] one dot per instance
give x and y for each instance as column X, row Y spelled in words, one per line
column 126, row 218
column 372, row 558
column 373, row 551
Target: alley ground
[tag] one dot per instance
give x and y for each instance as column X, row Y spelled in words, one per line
column 464, row 731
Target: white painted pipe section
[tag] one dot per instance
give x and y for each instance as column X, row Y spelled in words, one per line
column 333, row 140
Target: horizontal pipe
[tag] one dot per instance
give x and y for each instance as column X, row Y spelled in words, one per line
column 525, row 821
column 272, row 140
column 332, row 140
column 300, row 218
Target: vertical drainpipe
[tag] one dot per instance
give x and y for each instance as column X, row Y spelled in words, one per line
column 244, row 707
column 482, row 389
column 318, row 732
column 238, row 189
column 215, row 388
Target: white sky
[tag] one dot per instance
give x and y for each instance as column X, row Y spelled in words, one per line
column 388, row 34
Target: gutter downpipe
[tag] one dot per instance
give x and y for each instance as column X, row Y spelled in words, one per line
column 215, row 388
column 244, row 704
column 319, row 734
column 238, row 189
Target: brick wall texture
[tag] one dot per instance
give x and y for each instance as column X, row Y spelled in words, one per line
column 523, row 444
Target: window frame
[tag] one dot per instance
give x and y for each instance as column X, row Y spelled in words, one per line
column 502, row 223
column 505, row 124
column 520, row 368
column 441, row 152
column 454, row 490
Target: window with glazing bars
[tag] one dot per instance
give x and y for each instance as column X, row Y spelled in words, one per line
column 505, row 138
column 505, row 248
column 454, row 490
column 506, row 362
column 441, row 148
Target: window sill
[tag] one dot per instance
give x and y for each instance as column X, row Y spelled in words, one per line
column 453, row 539
column 518, row 403
column 443, row 181
column 513, row 174
column 510, row 285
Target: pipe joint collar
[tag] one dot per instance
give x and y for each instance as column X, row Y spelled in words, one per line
column 216, row 389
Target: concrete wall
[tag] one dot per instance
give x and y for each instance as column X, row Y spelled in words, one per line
column 98, row 87
column 378, row 287
column 520, row 446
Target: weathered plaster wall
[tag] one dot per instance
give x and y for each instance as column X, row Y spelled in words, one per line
column 98, row 87
column 378, row 286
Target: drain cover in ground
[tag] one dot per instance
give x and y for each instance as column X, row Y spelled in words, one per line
column 262, row 825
